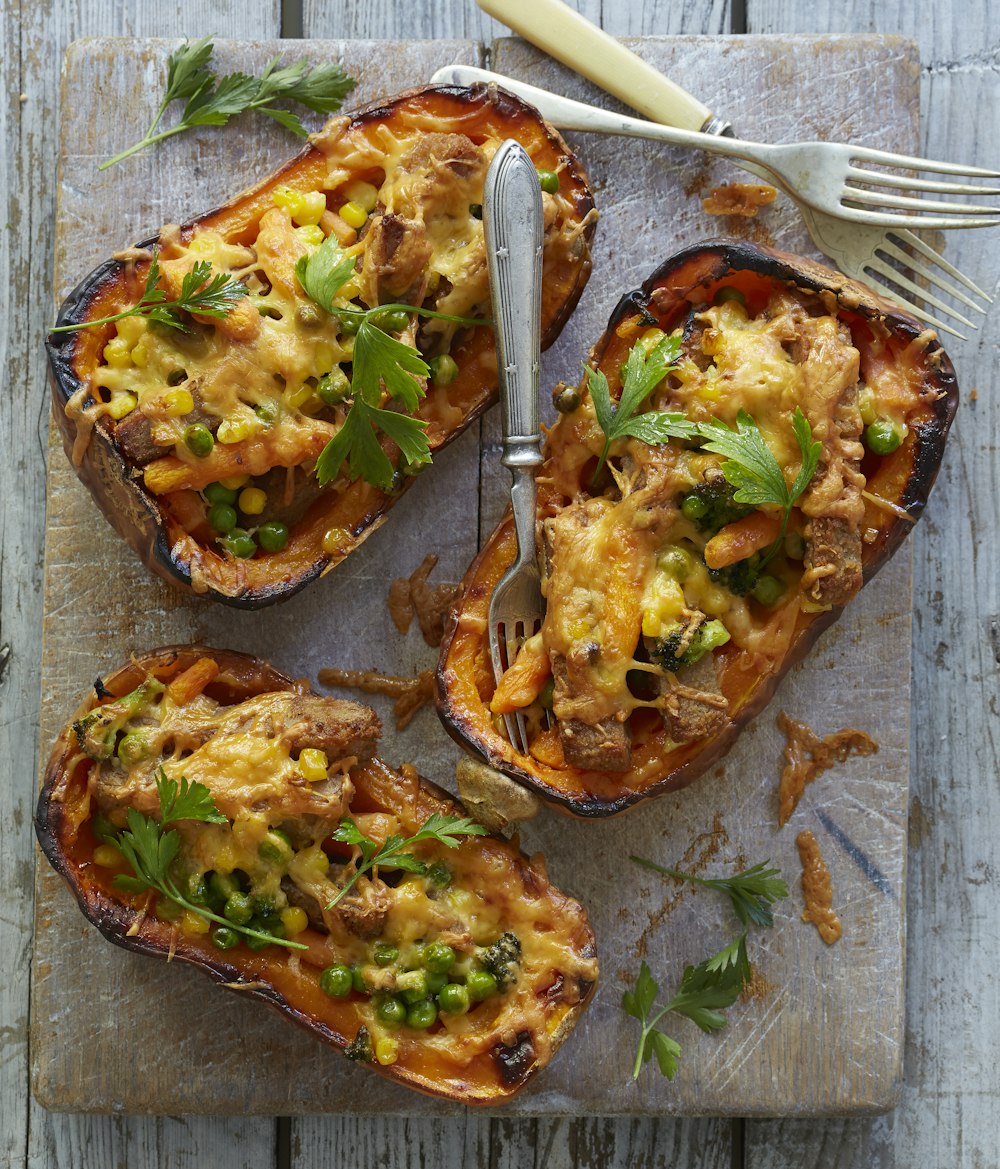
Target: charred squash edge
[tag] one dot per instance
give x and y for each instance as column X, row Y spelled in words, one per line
column 696, row 267
column 245, row 676
column 135, row 513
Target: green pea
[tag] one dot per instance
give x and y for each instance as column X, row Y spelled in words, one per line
column 421, row 1015
column 693, row 507
column 275, row 848
column 239, row 543
column 224, row 938
column 391, row 1011
column 480, row 984
column 264, row 907
column 435, row 982
column 727, row 292
column 549, row 181
column 412, row 986
column 358, row 980
column 547, row 694
column 272, row 536
column 676, row 561
column 392, row 322
column 336, row 981
column 351, row 322
column 795, row 546
column 257, row 943
column 333, row 387
column 199, row 440
column 768, row 590
column 883, row 437
column 222, row 517
column 476, row 210
column 565, row 398
column 133, row 748
column 267, row 412
column 439, row 875
column 308, row 315
column 385, row 954
column 438, row 958
column 221, row 886
column 216, row 493
column 238, row 909
column 444, row 369
column 197, row 889
column 453, row 998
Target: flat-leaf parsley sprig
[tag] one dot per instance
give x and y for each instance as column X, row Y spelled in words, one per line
column 150, row 849
column 751, row 892
column 705, row 991
column 201, row 292
column 377, row 359
column 212, row 101
column 394, row 854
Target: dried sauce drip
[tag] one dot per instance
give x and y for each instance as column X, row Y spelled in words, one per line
column 816, row 889
column 743, row 199
column 757, row 988
column 409, row 595
column 410, row 693
column 807, row 755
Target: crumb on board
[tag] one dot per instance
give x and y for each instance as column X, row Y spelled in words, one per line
column 410, row 693
column 411, row 596
column 741, row 199
column 806, row 755
column 816, row 889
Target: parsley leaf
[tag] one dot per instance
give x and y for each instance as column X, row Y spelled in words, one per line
column 751, row 891
column 705, row 990
column 324, row 272
column 212, row 101
column 201, row 292
column 357, row 443
column 151, row 849
column 642, row 374
column 446, row 830
column 381, row 358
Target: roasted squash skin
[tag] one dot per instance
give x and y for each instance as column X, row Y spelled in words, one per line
column 900, row 481
column 476, row 1069
column 159, row 527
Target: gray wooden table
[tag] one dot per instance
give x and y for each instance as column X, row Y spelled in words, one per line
column 949, row 1114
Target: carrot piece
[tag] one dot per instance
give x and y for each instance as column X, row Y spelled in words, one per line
column 546, row 747
column 738, row 540
column 188, row 685
column 523, row 682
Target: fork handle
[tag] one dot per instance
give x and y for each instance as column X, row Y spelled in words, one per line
column 512, row 221
column 571, row 38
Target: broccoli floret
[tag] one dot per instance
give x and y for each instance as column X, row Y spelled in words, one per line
column 97, row 731
column 710, row 505
column 740, row 578
column 670, row 652
column 502, row 959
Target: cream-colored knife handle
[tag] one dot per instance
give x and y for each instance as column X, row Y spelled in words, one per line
column 569, row 37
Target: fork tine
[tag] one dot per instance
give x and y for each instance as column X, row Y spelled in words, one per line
column 912, row 308
column 915, row 242
column 504, row 650
column 931, row 277
column 897, row 277
column 880, row 199
column 912, row 162
column 886, row 179
column 893, row 220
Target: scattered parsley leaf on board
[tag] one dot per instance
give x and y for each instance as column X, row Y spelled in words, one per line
column 212, row 101
column 751, row 892
column 642, row 374
column 150, row 849
column 393, row 854
column 705, row 991
column 201, row 292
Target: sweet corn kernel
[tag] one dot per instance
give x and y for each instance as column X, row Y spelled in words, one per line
column 194, row 923
column 386, row 1049
column 252, row 500
column 362, row 193
column 107, row 856
column 140, row 355
column 866, row 404
column 309, row 209
column 311, row 234
column 202, row 245
column 294, row 920
column 324, row 357
column 122, row 404
column 131, row 328
column 314, row 859
column 312, row 764
column 336, row 540
column 298, row 398
column 177, row 403
column 117, row 353
column 283, row 196
column 349, row 291
column 235, row 482
column 236, row 429
column 354, row 215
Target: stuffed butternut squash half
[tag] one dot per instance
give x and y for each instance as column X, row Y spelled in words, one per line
column 247, row 395
column 754, row 437
column 204, row 807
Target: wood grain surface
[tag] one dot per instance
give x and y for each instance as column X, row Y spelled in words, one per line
column 805, row 1043
column 949, row 1113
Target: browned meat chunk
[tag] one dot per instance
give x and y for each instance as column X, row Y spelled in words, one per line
column 134, row 434
column 695, row 707
column 606, row 747
column 445, row 156
column 339, row 728
column 395, row 261
column 364, row 910
column 305, row 901
column 833, row 561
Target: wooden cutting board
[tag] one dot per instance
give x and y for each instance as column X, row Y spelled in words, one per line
column 823, row 1031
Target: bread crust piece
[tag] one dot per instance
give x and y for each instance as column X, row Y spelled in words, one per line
column 486, row 1074
column 891, row 344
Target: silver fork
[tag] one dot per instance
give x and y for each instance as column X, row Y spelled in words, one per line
column 865, row 250
column 512, row 221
